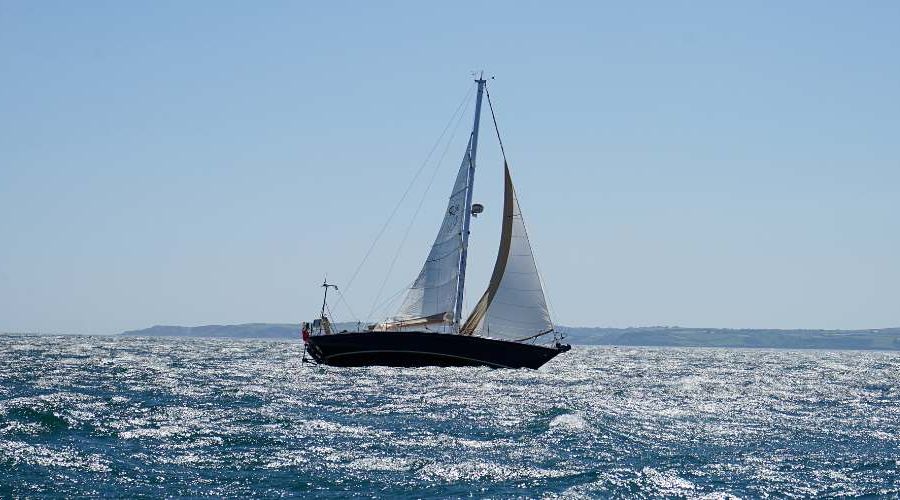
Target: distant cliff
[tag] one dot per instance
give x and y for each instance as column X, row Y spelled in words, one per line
column 886, row 338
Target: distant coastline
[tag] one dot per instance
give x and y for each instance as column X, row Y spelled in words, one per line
column 877, row 339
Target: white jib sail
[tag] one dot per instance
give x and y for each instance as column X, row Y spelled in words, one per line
column 514, row 306
column 432, row 297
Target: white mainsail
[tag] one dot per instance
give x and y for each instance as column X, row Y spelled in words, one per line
column 432, row 297
column 514, row 306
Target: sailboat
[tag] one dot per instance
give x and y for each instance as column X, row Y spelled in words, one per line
column 509, row 327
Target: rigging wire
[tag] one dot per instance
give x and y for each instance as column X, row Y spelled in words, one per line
column 494, row 118
column 328, row 308
column 385, row 305
column 408, row 189
column 418, row 209
column 347, row 305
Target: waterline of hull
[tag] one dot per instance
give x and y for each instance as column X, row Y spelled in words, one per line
column 414, row 349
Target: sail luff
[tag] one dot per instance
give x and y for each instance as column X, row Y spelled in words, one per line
column 481, row 307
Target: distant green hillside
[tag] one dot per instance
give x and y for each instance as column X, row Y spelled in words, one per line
column 250, row 330
column 246, row 331
column 885, row 339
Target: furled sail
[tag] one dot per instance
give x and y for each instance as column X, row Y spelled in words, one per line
column 432, row 297
column 514, row 306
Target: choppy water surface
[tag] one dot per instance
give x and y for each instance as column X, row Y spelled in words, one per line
column 131, row 416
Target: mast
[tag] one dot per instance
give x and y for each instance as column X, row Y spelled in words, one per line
column 467, row 215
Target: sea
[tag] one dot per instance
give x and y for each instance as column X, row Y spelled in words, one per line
column 96, row 416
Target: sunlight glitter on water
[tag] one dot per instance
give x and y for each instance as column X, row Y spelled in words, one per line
column 126, row 416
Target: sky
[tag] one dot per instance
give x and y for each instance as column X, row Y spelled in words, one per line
column 714, row 164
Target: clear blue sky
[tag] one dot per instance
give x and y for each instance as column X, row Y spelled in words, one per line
column 730, row 164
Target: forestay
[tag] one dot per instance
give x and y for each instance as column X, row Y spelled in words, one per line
column 514, row 306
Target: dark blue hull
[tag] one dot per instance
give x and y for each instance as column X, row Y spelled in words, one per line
column 414, row 349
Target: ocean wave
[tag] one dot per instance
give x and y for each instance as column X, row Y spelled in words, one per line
column 89, row 416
